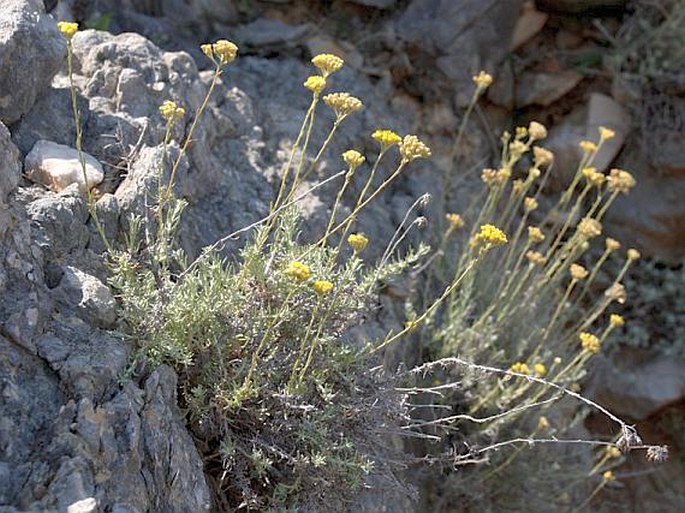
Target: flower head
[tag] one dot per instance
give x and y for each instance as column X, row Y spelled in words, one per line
column 530, row 204
column 588, row 146
column 589, row 228
column 455, row 221
column 617, row 292
column 608, row 476
column 543, row 423
column 612, row 451
column 298, row 271
column 606, row 133
column 633, row 254
column 170, row 111
column 412, row 148
column 342, row 104
column 67, row 28
column 327, row 63
column 540, row 369
column 386, row 138
column 357, row 242
column 616, row 320
column 536, row 258
column 594, row 177
column 482, row 80
column 620, row 180
column 520, row 368
column 536, row 131
column 535, row 234
column 491, row 235
column 578, row 272
column 322, row 287
column 315, row 83
column 353, row 158
column 222, row 52
column 589, row 342
column 611, row 244
column 543, row 157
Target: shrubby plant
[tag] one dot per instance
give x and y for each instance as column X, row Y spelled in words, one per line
column 287, row 409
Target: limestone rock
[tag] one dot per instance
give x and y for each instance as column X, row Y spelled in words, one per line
column 92, row 300
column 10, row 168
column 543, row 89
column 605, row 111
column 58, row 166
column 529, row 23
column 31, row 52
column 378, row 4
column 579, row 6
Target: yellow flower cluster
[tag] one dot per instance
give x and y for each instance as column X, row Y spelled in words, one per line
column 322, row 287
column 608, row 476
column 606, row 133
column 589, row 342
column 492, row 177
column 517, row 148
column 520, row 368
column 171, row 112
column 357, row 242
column 342, row 104
column 386, row 138
column 412, row 148
column 67, row 28
column 616, row 320
column 540, row 369
column 353, row 158
column 482, row 80
column 620, row 180
column 612, row 244
column 617, row 292
column 589, row 228
column 298, row 271
column 222, row 52
column 536, row 131
column 327, row 63
column 530, row 204
column 588, row 146
column 633, row 254
column 543, row 157
column 490, row 234
column 578, row 272
column 315, row 83
column 543, row 423
column 536, row 258
column 594, row 177
column 535, row 235
column 455, row 221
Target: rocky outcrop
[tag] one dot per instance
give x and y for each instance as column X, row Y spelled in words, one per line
column 31, row 52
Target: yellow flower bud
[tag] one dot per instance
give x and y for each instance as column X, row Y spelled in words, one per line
column 68, row 29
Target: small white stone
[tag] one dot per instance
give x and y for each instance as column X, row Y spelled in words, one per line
column 83, row 506
column 58, row 166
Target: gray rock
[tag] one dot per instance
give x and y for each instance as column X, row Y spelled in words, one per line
column 87, row 295
column 579, row 6
column 57, row 166
column 379, row 4
column 31, row 52
column 10, row 168
column 263, row 32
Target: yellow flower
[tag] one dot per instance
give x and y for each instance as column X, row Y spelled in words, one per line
column 613, row 452
column 353, row 158
column 517, row 148
column 633, row 254
column 342, row 104
column 611, row 244
column 298, row 271
column 455, row 221
column 327, row 63
column 411, row 325
column 315, row 83
column 170, row 111
column 616, row 320
column 517, row 186
column 207, row 50
column 530, row 204
column 482, row 80
column 588, row 146
column 540, row 369
column 490, row 234
column 589, row 228
column 322, row 287
column 608, row 476
column 543, row 423
column 578, row 272
column 535, row 234
column 67, row 28
column 412, row 148
column 222, row 52
column 386, row 138
column 589, row 342
column 357, row 242
column 616, row 292
column 620, row 180
column 536, row 131
column 536, row 258
column 520, row 368
column 606, row 133
column 543, row 156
